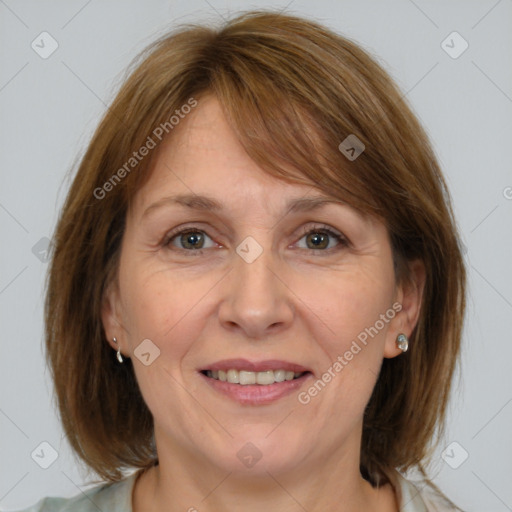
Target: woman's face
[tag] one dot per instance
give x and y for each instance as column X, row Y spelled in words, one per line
column 265, row 278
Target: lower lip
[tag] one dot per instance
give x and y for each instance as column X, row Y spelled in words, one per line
column 256, row 394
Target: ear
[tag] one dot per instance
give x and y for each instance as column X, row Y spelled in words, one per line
column 409, row 295
column 110, row 317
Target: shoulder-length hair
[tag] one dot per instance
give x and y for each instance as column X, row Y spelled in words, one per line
column 292, row 91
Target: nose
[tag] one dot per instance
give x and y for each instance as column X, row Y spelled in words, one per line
column 256, row 301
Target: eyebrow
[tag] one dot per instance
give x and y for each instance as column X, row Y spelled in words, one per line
column 205, row 203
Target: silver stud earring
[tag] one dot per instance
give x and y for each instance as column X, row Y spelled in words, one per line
column 402, row 342
column 118, row 355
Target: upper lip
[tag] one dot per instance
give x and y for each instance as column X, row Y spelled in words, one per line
column 255, row 366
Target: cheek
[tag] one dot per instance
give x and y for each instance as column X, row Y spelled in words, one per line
column 163, row 307
column 171, row 313
column 351, row 332
column 348, row 305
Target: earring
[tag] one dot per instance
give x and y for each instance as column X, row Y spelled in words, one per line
column 118, row 355
column 402, row 342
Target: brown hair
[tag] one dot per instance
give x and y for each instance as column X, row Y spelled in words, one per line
column 293, row 91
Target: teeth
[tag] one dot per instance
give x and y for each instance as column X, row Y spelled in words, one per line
column 246, row 378
column 234, row 377
column 279, row 375
column 265, row 377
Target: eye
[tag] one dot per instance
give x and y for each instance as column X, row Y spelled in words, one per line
column 321, row 238
column 189, row 239
column 318, row 238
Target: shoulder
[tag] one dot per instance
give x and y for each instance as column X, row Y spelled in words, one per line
column 421, row 496
column 106, row 497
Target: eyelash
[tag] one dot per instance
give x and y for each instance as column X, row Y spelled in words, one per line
column 342, row 241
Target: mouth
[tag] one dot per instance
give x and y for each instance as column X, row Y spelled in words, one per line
column 247, row 378
column 252, row 383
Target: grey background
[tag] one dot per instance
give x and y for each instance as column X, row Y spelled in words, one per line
column 49, row 108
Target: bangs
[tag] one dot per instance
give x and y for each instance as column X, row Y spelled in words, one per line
column 289, row 110
column 287, row 131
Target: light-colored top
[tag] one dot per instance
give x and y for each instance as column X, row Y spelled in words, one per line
column 117, row 497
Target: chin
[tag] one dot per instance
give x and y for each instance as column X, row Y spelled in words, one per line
column 256, row 452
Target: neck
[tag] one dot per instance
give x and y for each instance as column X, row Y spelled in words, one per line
column 181, row 482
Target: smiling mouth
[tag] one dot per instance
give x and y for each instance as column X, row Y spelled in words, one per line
column 246, row 378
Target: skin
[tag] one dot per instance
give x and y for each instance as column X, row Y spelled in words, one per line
column 295, row 302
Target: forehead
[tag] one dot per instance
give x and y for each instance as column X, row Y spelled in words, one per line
column 202, row 156
column 202, row 167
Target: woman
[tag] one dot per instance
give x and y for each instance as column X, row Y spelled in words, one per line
column 256, row 292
